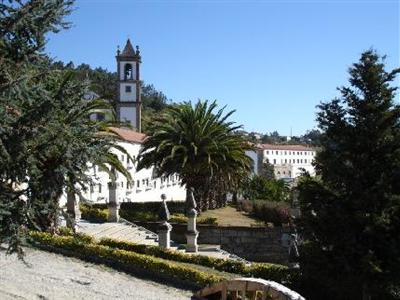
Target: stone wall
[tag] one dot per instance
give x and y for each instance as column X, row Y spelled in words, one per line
column 252, row 243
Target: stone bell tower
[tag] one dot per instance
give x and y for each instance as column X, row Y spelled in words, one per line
column 129, row 102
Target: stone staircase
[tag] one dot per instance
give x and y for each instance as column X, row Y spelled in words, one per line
column 130, row 232
column 123, row 230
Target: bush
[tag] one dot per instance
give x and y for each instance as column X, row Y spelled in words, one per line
column 138, row 216
column 277, row 213
column 212, row 262
column 122, row 259
column 207, row 220
column 245, row 205
column 94, row 214
column 271, row 212
column 178, row 218
column 153, row 207
column 79, row 243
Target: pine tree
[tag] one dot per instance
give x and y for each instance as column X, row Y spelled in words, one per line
column 351, row 210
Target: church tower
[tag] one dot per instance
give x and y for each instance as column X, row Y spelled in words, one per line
column 129, row 102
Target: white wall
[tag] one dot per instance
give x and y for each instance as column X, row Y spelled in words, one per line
column 128, row 114
column 287, row 163
column 127, row 96
column 254, row 157
column 149, row 188
column 296, row 160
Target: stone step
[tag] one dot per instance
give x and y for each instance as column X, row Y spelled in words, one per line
column 108, row 230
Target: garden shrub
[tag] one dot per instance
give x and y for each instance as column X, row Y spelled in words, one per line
column 123, row 259
column 207, row 220
column 153, row 207
column 271, row 212
column 93, row 214
column 276, row 213
column 212, row 262
column 178, row 218
column 84, row 246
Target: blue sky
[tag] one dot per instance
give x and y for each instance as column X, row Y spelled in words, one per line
column 271, row 61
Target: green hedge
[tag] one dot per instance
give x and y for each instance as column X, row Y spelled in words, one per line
column 93, row 213
column 275, row 272
column 116, row 253
column 122, row 259
column 181, row 218
column 212, row 262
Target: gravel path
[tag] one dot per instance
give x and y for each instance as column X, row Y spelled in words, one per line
column 53, row 276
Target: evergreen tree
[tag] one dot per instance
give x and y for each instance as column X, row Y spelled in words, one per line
column 351, row 210
column 47, row 139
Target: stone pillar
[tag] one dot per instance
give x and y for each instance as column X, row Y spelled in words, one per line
column 73, row 211
column 164, row 235
column 113, row 205
column 191, row 233
column 164, row 229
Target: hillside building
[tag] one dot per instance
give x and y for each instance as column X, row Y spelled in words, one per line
column 288, row 160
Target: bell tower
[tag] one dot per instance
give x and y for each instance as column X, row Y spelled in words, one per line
column 129, row 102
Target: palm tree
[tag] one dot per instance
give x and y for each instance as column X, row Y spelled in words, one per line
column 200, row 145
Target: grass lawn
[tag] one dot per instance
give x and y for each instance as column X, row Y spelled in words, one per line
column 229, row 216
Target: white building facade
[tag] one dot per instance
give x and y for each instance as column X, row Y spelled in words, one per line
column 288, row 160
column 144, row 187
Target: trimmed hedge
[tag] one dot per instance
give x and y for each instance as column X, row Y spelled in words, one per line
column 212, row 262
column 181, row 219
column 122, row 259
column 275, row 272
column 94, row 214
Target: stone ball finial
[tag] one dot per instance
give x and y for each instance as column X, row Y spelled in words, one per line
column 137, row 50
column 163, row 213
column 118, row 51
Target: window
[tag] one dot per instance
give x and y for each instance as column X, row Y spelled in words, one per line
column 122, row 157
column 122, row 184
column 267, row 152
column 99, row 187
column 128, row 74
column 91, row 188
column 298, row 161
column 274, row 161
column 285, row 160
column 128, row 89
column 285, row 153
column 138, row 183
column 305, row 161
column 276, row 152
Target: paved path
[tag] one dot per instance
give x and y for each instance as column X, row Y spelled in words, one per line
column 53, row 276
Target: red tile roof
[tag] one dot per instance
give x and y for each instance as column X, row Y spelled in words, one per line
column 284, row 147
column 129, row 135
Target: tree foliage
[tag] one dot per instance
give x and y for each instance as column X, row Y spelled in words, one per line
column 198, row 143
column 46, row 136
column 261, row 188
column 351, row 211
